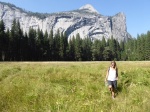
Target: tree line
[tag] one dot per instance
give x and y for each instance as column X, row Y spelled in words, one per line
column 36, row 45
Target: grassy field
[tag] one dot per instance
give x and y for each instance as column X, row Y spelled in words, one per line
column 72, row 87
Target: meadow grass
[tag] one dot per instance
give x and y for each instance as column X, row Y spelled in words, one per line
column 72, row 87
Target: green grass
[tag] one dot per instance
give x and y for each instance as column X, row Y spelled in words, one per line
column 72, row 87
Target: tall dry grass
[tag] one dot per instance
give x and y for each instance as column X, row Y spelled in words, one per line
column 72, row 87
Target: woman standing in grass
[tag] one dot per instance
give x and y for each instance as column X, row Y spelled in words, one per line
column 112, row 77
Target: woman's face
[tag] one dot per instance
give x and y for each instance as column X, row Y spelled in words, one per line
column 113, row 65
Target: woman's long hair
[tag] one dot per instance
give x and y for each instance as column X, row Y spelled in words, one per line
column 115, row 65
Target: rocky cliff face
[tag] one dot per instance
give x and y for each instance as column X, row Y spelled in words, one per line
column 86, row 21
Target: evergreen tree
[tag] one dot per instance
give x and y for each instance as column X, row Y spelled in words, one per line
column 112, row 47
column 66, row 48
column 94, row 51
column 3, row 41
column 51, row 47
column 135, row 50
column 62, row 47
column 118, row 50
column 78, row 48
column 128, row 51
column 71, row 54
column 20, row 37
column 143, row 38
column 46, row 46
column 121, row 50
column 25, row 48
column 86, row 49
column 103, row 42
column 7, row 54
column 139, row 48
column 56, row 46
column 147, row 46
column 40, row 44
column 107, row 54
column 32, row 45
column 97, row 50
column 15, row 40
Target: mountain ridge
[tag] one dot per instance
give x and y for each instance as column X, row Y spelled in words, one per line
column 89, row 7
column 86, row 22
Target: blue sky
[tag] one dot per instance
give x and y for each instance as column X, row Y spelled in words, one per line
column 137, row 11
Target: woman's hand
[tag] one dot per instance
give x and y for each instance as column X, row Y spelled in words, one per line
column 116, row 78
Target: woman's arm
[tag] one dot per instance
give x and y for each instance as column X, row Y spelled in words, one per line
column 116, row 73
column 107, row 75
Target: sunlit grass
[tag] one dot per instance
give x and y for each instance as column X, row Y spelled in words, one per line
column 72, row 87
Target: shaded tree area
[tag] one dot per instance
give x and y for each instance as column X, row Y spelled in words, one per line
column 36, row 45
column 139, row 48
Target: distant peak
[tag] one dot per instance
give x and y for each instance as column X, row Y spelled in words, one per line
column 88, row 7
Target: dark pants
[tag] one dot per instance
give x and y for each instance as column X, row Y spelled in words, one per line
column 113, row 84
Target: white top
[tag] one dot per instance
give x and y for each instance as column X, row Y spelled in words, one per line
column 111, row 74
